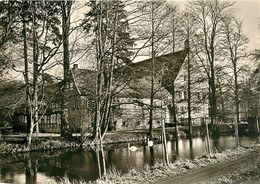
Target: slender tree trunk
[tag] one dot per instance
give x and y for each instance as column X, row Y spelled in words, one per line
column 213, row 96
column 165, row 153
column 257, row 128
column 152, row 79
column 99, row 54
column 31, row 126
column 35, row 74
column 173, row 85
column 102, row 155
column 189, row 95
column 66, row 9
column 106, row 113
column 237, row 105
column 174, row 112
column 164, row 142
column 207, row 138
column 98, row 162
column 34, row 102
column 26, row 75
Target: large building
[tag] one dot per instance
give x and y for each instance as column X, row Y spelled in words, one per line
column 131, row 101
column 199, row 96
column 131, row 106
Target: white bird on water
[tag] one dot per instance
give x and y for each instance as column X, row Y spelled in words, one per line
column 131, row 148
column 150, row 143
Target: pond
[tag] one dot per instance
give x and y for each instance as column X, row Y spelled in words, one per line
column 50, row 166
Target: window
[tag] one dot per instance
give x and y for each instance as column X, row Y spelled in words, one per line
column 93, row 104
column 181, row 95
column 199, row 97
column 184, row 78
column 89, row 104
column 123, row 124
column 182, row 108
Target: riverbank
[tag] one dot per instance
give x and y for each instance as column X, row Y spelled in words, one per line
column 45, row 141
column 50, row 141
column 230, row 166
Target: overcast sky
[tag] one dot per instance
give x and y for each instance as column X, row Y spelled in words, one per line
column 249, row 12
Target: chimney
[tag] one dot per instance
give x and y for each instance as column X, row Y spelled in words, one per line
column 75, row 66
column 186, row 45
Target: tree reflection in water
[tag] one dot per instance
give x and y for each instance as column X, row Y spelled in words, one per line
column 31, row 169
column 90, row 164
column 191, row 148
column 101, row 162
column 152, row 157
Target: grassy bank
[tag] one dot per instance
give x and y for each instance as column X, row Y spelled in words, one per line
column 159, row 172
column 40, row 144
column 17, row 143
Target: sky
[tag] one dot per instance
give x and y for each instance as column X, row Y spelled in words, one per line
column 246, row 10
column 249, row 12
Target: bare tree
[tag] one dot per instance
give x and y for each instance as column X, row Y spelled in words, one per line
column 108, row 20
column 234, row 44
column 66, row 16
column 154, row 15
column 209, row 16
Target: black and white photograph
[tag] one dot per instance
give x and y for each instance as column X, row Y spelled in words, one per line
column 130, row 91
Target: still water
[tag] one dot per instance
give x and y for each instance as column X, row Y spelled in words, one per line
column 50, row 166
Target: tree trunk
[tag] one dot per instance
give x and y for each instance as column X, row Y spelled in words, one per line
column 257, row 128
column 237, row 105
column 189, row 96
column 213, row 97
column 106, row 113
column 165, row 153
column 66, row 9
column 98, row 89
column 152, row 79
column 26, row 75
column 207, row 141
column 174, row 112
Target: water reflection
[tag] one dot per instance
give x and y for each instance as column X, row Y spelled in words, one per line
column 191, row 148
column 49, row 166
column 31, row 170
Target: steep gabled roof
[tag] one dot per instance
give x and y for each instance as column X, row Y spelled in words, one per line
column 84, row 80
column 171, row 58
column 166, row 69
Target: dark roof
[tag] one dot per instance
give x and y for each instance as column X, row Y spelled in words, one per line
column 139, row 73
column 84, row 80
column 172, row 58
column 166, row 69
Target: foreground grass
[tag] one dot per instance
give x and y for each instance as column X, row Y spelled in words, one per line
column 159, row 172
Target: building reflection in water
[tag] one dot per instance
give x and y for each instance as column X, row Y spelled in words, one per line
column 49, row 166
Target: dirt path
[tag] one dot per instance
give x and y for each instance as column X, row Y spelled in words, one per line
column 209, row 173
